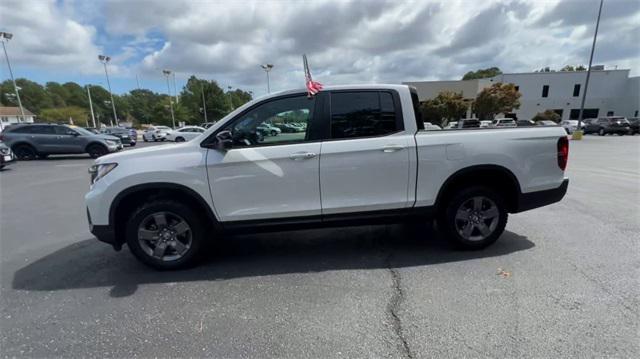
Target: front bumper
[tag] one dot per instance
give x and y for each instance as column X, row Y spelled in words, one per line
column 527, row 201
column 104, row 233
column 6, row 159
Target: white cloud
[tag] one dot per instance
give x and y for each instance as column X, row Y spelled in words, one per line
column 347, row 41
column 46, row 37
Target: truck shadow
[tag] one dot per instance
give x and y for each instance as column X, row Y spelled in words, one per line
column 89, row 263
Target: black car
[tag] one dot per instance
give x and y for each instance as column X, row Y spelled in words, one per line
column 634, row 124
column 6, row 156
column 122, row 133
column 608, row 125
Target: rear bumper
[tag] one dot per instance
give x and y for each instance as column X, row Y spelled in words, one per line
column 527, row 201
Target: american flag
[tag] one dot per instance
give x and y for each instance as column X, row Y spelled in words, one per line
column 312, row 86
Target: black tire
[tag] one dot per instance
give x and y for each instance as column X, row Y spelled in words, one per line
column 144, row 139
column 197, row 230
column 132, row 144
column 97, row 150
column 153, row 137
column 274, row 133
column 43, row 156
column 601, row 132
column 24, row 152
column 179, row 139
column 450, row 225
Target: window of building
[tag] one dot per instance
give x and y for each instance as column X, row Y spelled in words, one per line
column 576, row 90
column 545, row 91
column 609, row 113
column 588, row 113
column 5, row 119
column 635, row 114
column 559, row 111
column 362, row 114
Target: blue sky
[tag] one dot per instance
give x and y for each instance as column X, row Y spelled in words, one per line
column 346, row 41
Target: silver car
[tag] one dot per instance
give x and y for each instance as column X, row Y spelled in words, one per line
column 29, row 141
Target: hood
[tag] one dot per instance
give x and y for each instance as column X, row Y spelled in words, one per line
column 148, row 153
column 107, row 137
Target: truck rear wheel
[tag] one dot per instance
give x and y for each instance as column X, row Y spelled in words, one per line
column 474, row 218
column 165, row 234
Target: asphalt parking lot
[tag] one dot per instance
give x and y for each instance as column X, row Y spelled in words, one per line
column 563, row 281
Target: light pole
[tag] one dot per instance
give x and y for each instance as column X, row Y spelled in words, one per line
column 173, row 118
column 93, row 117
column 586, row 83
column 175, row 92
column 204, row 104
column 5, row 37
column 104, row 59
column 267, row 68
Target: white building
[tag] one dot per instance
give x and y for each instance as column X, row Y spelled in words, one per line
column 611, row 92
column 12, row 115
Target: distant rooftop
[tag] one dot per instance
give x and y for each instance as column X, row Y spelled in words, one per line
column 14, row 111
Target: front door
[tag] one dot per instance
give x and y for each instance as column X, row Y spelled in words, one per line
column 265, row 176
column 365, row 163
column 69, row 140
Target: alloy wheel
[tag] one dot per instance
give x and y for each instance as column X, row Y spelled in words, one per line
column 477, row 218
column 165, row 236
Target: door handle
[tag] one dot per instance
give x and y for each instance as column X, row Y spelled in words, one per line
column 392, row 148
column 302, row 156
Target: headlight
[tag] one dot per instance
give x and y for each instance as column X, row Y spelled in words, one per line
column 101, row 170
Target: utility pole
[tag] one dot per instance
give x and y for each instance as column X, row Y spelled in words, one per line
column 586, row 83
column 137, row 82
column 204, row 104
column 173, row 118
column 5, row 37
column 93, row 118
column 104, row 59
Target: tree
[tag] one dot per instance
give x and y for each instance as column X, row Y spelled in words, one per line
column 498, row 98
column 63, row 114
column 446, row 106
column 547, row 115
column 482, row 73
column 572, row 68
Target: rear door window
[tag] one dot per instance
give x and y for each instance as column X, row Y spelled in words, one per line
column 363, row 114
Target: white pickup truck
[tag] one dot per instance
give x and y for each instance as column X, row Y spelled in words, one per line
column 358, row 155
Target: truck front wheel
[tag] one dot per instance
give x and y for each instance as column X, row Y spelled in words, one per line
column 474, row 217
column 165, row 234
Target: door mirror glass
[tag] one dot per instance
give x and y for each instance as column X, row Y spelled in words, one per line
column 72, row 133
column 224, row 140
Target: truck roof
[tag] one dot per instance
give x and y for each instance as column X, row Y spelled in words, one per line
column 342, row 87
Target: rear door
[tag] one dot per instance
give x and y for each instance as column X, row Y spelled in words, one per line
column 44, row 138
column 365, row 162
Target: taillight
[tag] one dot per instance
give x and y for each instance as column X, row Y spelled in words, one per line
column 563, row 152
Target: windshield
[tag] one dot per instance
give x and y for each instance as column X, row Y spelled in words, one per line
column 82, row 131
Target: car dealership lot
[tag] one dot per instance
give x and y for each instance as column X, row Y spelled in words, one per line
column 562, row 281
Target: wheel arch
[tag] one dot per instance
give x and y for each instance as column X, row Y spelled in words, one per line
column 93, row 143
column 129, row 199
column 496, row 177
column 22, row 143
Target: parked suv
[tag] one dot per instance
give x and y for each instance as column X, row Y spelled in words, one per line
column 41, row 140
column 122, row 133
column 609, row 125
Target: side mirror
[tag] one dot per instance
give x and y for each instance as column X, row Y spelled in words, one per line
column 73, row 133
column 224, row 140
